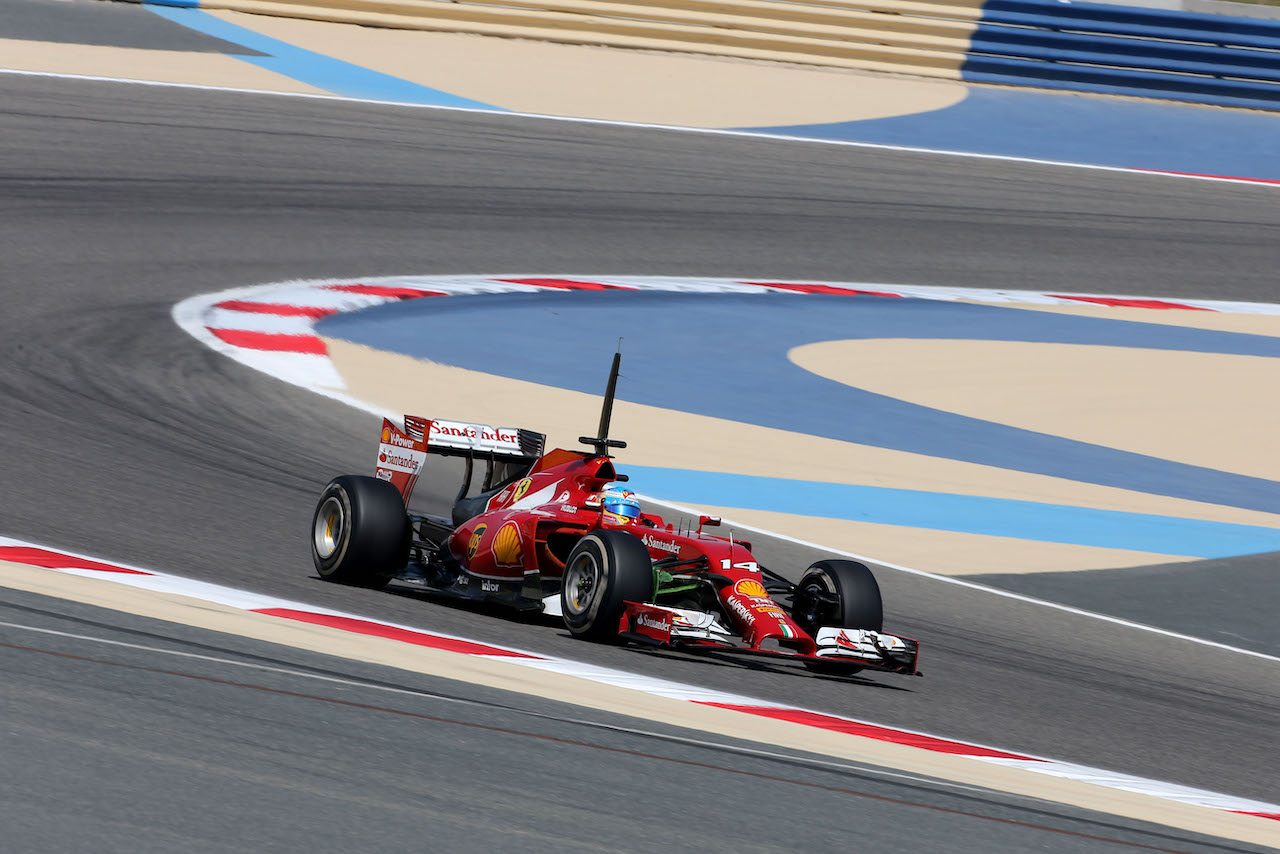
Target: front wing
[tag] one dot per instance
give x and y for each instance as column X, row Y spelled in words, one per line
column 658, row 625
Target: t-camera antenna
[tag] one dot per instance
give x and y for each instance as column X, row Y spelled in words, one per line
column 601, row 442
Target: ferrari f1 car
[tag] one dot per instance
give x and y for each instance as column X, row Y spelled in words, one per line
column 542, row 535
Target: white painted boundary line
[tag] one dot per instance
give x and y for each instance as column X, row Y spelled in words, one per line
column 960, row 582
column 374, row 686
column 55, row 560
column 874, row 146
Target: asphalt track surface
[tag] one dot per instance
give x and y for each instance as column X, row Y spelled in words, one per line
column 106, row 24
column 215, row 743
column 1228, row 600
column 124, row 438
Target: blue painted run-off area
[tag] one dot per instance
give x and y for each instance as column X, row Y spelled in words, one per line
column 725, row 356
column 314, row 69
column 1036, row 125
column 1079, row 129
column 996, row 517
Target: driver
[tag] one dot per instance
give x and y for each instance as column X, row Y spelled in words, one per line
column 619, row 506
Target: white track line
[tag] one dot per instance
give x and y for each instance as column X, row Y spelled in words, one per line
column 55, row 560
column 425, row 694
column 959, row 582
column 874, row 146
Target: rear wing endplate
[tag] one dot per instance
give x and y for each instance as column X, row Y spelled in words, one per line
column 508, row 452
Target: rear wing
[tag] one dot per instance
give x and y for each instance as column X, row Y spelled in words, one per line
column 508, row 452
column 458, row 438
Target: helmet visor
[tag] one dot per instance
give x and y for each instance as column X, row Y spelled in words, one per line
column 627, row 507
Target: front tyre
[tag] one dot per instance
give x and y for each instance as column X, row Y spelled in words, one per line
column 360, row 533
column 605, row 570
column 839, row 593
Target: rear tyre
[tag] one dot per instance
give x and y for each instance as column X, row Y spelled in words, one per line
column 841, row 593
column 605, row 570
column 360, row 533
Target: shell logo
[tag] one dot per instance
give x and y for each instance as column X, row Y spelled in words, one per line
column 507, row 549
column 750, row 587
column 386, row 434
column 475, row 540
column 521, row 488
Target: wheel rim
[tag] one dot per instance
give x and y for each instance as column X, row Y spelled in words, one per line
column 581, row 583
column 328, row 527
column 810, row 616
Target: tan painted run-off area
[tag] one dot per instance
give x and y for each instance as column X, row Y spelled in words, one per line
column 525, row 75
column 602, row 83
column 629, row 702
column 1204, row 409
column 664, row 438
column 929, row 39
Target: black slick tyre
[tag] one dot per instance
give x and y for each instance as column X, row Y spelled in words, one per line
column 605, row 570
column 840, row 593
column 360, row 532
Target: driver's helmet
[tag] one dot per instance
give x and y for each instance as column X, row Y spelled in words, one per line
column 619, row 506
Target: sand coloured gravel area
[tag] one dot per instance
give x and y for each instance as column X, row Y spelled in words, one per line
column 1205, row 409
column 614, row 84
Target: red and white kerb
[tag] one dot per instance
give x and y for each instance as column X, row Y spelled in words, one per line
column 17, row 551
column 271, row 327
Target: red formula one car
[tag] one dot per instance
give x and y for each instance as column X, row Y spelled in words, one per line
column 548, row 533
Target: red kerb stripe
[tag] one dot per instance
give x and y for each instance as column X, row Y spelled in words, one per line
column 54, row 560
column 1275, row 816
column 273, row 341
column 567, row 284
column 879, row 733
column 821, row 289
column 368, row 627
column 384, row 291
column 275, row 308
column 1130, row 303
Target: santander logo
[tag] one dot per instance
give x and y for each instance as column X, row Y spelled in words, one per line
column 397, row 460
column 472, row 432
column 661, row 545
column 653, row 623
